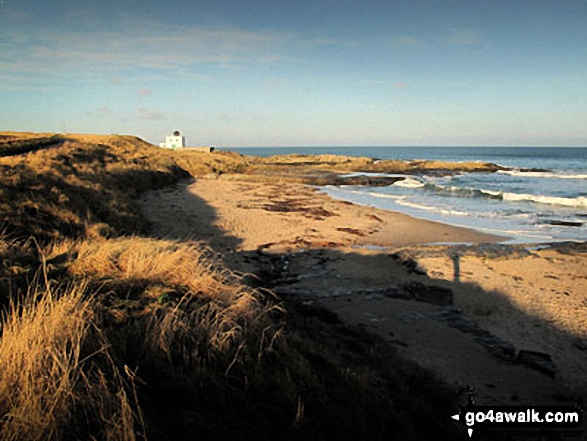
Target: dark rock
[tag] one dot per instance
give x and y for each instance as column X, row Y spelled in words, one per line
column 497, row 346
column 569, row 247
column 566, row 223
column 410, row 317
column 417, row 291
column 395, row 292
column 497, row 251
column 535, row 170
column 537, row 360
column 580, row 344
column 429, row 293
column 370, row 181
column 351, row 231
column 455, row 319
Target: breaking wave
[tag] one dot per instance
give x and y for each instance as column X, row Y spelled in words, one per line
column 579, row 202
column 443, row 211
column 410, row 182
column 541, row 174
column 575, row 202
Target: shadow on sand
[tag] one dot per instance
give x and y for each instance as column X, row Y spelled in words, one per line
column 385, row 294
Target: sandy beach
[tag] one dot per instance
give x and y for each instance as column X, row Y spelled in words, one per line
column 508, row 321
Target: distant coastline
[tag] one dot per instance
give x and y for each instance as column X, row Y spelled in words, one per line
column 538, row 199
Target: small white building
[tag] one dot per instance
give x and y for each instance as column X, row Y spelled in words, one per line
column 175, row 141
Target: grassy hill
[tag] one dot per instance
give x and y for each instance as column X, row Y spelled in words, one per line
column 107, row 333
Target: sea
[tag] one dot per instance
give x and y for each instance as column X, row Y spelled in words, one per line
column 542, row 199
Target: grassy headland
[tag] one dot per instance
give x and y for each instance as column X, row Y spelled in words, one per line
column 110, row 334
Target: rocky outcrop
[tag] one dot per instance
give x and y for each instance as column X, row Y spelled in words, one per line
column 537, row 360
column 366, row 180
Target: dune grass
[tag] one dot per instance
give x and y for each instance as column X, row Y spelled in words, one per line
column 107, row 334
column 185, row 294
column 57, row 379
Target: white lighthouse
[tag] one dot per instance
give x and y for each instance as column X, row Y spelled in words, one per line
column 174, row 141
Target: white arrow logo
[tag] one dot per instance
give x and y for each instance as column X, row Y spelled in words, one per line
column 457, row 417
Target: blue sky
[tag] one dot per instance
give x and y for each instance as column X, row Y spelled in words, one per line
column 305, row 72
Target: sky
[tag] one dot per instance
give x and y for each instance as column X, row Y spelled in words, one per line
column 234, row 73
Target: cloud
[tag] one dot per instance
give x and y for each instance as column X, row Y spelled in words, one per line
column 136, row 43
column 149, row 113
column 144, row 92
column 129, row 50
column 146, row 47
column 232, row 66
column 319, row 42
column 99, row 112
column 462, row 37
column 18, row 82
column 140, row 43
column 407, row 40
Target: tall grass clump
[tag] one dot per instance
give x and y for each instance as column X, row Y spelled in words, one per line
column 188, row 305
column 57, row 380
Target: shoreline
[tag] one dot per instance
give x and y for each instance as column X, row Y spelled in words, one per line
column 240, row 205
column 505, row 319
column 513, row 237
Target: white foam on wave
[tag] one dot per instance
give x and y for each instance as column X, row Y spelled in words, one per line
column 418, row 206
column 410, row 182
column 453, row 188
column 579, row 202
column 446, row 212
column 531, row 174
column 381, row 195
column 454, row 213
column 351, row 190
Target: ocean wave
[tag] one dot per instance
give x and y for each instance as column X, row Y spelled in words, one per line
column 346, row 189
column 493, row 193
column 463, row 191
column 536, row 174
column 410, row 182
column 410, row 204
column 444, row 211
column 455, row 213
column 380, row 195
column 579, row 202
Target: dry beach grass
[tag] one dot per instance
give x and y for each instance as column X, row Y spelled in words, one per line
column 111, row 333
